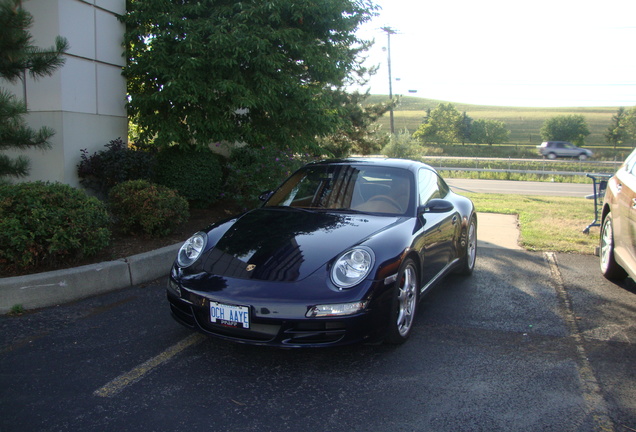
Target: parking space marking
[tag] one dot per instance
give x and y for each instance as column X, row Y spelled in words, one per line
column 596, row 404
column 134, row 375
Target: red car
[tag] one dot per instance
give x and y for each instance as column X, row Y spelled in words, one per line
column 618, row 223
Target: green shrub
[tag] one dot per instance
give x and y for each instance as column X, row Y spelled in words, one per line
column 402, row 146
column 141, row 207
column 255, row 170
column 49, row 223
column 196, row 174
column 16, row 310
column 117, row 164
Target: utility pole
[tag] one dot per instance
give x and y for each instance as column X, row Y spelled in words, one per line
column 389, row 31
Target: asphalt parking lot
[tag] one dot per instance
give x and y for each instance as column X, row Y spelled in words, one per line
column 531, row 342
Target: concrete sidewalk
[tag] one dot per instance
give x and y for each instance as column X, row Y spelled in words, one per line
column 497, row 231
column 62, row 286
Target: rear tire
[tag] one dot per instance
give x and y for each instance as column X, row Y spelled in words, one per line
column 551, row 156
column 467, row 263
column 609, row 267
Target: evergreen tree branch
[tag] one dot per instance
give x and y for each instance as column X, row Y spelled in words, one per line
column 17, row 56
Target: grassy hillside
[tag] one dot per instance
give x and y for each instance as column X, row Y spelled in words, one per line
column 524, row 123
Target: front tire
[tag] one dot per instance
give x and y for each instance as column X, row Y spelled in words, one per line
column 609, row 267
column 404, row 303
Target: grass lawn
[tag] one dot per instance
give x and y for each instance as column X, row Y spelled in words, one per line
column 546, row 223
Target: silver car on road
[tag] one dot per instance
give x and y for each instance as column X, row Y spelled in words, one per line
column 554, row 149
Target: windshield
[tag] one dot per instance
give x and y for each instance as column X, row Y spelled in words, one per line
column 369, row 189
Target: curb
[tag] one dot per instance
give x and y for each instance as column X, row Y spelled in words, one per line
column 61, row 286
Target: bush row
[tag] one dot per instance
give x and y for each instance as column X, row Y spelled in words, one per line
column 201, row 176
column 52, row 223
column 251, row 171
column 195, row 175
column 141, row 207
column 143, row 192
column 42, row 223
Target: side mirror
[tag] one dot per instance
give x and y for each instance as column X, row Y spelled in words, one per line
column 436, row 206
column 265, row 195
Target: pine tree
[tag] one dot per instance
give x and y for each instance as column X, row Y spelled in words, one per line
column 617, row 132
column 17, row 57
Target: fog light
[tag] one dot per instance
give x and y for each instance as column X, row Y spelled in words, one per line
column 339, row 309
column 174, row 287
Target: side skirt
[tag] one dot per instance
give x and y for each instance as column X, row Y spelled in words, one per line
column 439, row 276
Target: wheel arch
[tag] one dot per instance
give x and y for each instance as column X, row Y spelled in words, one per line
column 465, row 225
column 418, row 260
column 604, row 212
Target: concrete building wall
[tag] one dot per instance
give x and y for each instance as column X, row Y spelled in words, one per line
column 84, row 101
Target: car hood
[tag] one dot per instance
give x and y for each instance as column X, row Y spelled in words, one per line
column 286, row 244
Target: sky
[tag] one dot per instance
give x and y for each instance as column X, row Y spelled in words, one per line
column 541, row 53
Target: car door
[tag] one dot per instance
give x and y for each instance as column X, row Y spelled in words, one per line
column 436, row 237
column 564, row 149
column 624, row 217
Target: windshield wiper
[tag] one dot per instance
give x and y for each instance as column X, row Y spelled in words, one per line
column 345, row 210
column 300, row 209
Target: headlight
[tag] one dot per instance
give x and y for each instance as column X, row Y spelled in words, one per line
column 192, row 249
column 352, row 267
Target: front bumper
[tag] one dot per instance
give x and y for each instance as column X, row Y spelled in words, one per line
column 314, row 332
column 277, row 324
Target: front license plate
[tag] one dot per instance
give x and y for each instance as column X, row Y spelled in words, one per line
column 229, row 315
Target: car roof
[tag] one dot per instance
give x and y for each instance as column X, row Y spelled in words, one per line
column 408, row 164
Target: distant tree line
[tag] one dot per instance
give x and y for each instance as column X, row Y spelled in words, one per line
column 446, row 125
column 572, row 128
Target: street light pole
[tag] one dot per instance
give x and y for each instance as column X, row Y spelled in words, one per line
column 389, row 31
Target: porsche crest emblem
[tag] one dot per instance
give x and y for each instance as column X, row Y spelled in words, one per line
column 250, row 267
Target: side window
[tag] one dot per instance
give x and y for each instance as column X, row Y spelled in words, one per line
column 428, row 185
column 630, row 163
column 443, row 187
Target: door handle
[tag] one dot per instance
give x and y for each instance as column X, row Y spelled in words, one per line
column 634, row 203
column 455, row 218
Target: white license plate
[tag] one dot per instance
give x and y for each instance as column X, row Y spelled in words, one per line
column 229, row 315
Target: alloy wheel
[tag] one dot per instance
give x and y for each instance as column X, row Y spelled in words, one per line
column 407, row 300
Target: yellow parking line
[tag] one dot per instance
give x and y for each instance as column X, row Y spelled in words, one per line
column 124, row 380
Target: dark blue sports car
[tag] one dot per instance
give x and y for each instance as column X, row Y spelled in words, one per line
column 341, row 252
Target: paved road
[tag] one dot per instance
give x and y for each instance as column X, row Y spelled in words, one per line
column 521, row 187
column 532, row 342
